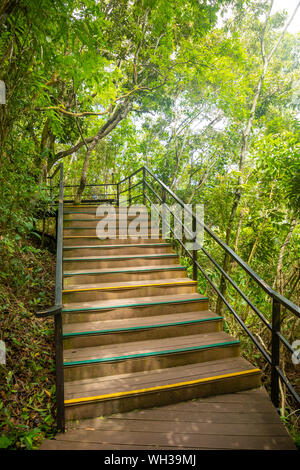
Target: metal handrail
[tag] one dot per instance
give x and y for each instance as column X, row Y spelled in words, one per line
column 86, row 186
column 56, row 310
column 266, row 355
column 255, row 309
column 277, row 299
column 132, row 187
column 283, row 300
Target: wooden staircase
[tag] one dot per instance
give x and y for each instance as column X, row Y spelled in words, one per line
column 136, row 333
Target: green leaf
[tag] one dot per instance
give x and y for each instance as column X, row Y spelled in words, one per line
column 5, row 442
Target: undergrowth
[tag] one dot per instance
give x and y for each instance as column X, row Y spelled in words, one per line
column 27, row 394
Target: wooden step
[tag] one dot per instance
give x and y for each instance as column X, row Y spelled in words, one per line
column 101, row 262
column 117, row 249
column 69, row 207
column 120, row 393
column 72, row 278
column 144, row 232
column 91, row 208
column 93, row 240
column 100, row 361
column 100, row 333
column 115, row 290
column 133, row 307
column 90, row 216
column 111, row 222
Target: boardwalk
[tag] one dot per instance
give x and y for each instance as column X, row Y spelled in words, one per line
column 146, row 364
column 243, row 420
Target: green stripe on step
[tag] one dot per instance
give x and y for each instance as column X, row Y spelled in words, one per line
column 104, row 258
column 145, row 327
column 133, row 270
column 87, row 212
column 84, row 309
column 97, row 219
column 92, row 228
column 116, row 246
column 154, row 353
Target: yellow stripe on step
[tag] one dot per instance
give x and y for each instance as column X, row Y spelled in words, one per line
column 189, row 281
column 80, row 236
column 75, row 401
column 94, row 236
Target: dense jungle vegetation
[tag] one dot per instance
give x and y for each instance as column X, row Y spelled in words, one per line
column 205, row 93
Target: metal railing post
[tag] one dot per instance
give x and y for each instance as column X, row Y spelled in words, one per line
column 51, row 187
column 57, row 309
column 144, row 186
column 195, row 252
column 275, row 352
column 118, row 194
column 163, row 214
column 129, row 190
column 56, row 225
column 58, row 318
column 60, row 407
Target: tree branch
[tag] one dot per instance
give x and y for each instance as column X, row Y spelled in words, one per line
column 70, row 113
column 65, row 153
column 283, row 32
column 262, row 39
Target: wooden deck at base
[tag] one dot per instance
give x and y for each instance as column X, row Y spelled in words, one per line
column 240, row 421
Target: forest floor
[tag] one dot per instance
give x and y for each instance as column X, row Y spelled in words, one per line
column 27, row 394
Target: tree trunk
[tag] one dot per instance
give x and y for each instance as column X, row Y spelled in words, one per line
column 84, row 174
column 238, row 232
column 119, row 113
column 278, row 282
column 47, row 149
